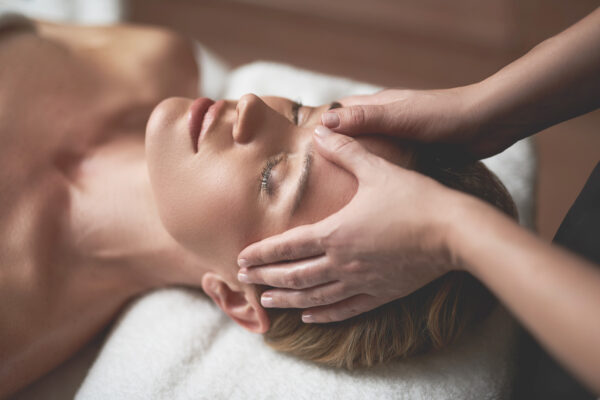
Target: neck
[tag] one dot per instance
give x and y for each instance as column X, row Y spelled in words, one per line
column 115, row 221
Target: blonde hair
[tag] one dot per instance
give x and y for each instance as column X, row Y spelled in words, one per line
column 430, row 318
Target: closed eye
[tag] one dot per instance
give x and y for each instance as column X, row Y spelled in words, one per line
column 266, row 184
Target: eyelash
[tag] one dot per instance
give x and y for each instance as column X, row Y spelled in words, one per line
column 265, row 176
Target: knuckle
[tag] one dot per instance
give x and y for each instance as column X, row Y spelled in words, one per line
column 351, row 312
column 336, row 315
column 297, row 300
column 344, row 286
column 354, row 267
column 257, row 258
column 292, row 280
column 283, row 251
column 342, row 143
column 281, row 301
column 317, row 299
column 327, row 316
column 311, row 280
column 331, row 238
column 356, row 116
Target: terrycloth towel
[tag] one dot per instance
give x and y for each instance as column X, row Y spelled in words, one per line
column 175, row 344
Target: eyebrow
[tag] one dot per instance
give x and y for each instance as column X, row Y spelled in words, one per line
column 303, row 179
column 308, row 159
column 335, row 104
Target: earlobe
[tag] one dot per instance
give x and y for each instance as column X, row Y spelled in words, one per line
column 241, row 306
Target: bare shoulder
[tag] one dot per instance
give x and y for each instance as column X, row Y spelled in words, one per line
column 135, row 53
column 151, row 38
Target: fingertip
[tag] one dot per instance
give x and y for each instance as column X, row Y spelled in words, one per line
column 243, row 276
column 243, row 263
column 266, row 300
column 322, row 131
column 330, row 119
column 308, row 318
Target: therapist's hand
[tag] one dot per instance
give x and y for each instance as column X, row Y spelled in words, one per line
column 388, row 241
column 449, row 118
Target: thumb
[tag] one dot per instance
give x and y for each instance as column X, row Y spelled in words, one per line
column 358, row 119
column 345, row 151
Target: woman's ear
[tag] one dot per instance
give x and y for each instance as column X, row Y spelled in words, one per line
column 241, row 306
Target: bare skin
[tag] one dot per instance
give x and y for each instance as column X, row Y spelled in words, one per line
column 73, row 108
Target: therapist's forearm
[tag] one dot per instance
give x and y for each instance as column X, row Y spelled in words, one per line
column 554, row 293
column 557, row 80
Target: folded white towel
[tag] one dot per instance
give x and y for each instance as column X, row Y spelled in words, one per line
column 174, row 344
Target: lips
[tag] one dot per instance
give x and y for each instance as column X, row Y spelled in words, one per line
column 202, row 114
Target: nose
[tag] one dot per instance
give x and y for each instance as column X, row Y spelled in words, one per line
column 250, row 114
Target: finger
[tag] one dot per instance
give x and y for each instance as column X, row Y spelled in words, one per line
column 342, row 310
column 359, row 119
column 345, row 152
column 381, row 97
column 358, row 99
column 294, row 275
column 329, row 293
column 296, row 243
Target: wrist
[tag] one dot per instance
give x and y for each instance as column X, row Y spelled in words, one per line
column 453, row 215
column 496, row 105
column 472, row 115
column 466, row 227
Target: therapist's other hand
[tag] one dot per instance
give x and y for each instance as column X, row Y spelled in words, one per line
column 387, row 242
column 450, row 118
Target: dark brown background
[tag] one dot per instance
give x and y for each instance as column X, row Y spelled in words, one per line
column 412, row 43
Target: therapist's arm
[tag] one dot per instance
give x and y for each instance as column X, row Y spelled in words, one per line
column 554, row 293
column 555, row 81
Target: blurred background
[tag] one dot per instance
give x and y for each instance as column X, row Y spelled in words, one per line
column 410, row 43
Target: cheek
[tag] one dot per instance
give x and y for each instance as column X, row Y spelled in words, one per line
column 329, row 189
column 205, row 210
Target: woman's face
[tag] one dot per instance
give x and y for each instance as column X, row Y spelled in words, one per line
column 251, row 174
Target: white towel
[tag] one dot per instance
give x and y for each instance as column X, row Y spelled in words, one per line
column 174, row 344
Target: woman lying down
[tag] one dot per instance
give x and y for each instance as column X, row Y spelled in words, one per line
column 116, row 180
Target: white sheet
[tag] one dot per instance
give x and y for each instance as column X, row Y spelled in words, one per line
column 176, row 344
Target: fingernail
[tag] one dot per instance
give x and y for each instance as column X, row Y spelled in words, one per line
column 266, row 300
column 321, row 131
column 243, row 263
column 243, row 276
column 308, row 318
column 330, row 120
